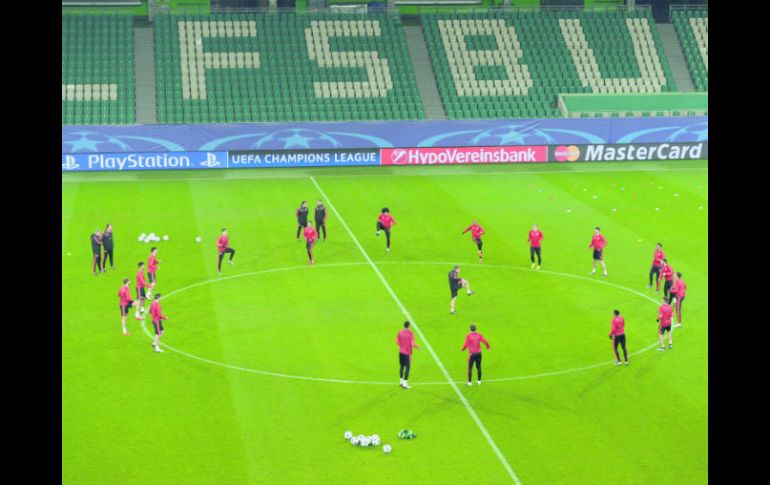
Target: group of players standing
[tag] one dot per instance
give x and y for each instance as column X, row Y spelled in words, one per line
column 674, row 287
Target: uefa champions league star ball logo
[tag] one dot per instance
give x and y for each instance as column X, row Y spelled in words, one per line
column 513, row 135
column 90, row 141
column 296, row 139
column 694, row 132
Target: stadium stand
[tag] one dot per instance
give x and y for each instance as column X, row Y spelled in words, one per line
column 692, row 27
column 498, row 65
column 283, row 67
column 97, row 69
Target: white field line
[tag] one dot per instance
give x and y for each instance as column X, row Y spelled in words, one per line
column 121, row 177
column 425, row 342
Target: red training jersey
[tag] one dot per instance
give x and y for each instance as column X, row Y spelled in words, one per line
column 156, row 313
column 125, row 295
column 387, row 220
column 667, row 272
column 473, row 343
column 405, row 341
column 310, row 234
column 664, row 314
column 534, row 238
column 152, row 264
column 140, row 282
column 679, row 288
column 598, row 242
column 618, row 326
column 657, row 258
column 476, row 230
column 222, row 243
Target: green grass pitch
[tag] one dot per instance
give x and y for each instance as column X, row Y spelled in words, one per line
column 268, row 364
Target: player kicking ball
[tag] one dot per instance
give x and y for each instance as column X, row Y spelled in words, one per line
column 476, row 233
column 157, row 322
column 664, row 319
column 310, row 237
column 384, row 222
column 125, row 303
column 455, row 283
column 598, row 243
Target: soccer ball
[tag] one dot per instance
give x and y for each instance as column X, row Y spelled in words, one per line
column 375, row 440
column 142, row 236
column 348, row 435
column 387, row 449
column 366, row 441
column 198, row 239
column 354, row 441
column 165, row 238
column 147, row 239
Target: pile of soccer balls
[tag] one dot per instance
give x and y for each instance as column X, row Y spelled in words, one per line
column 151, row 237
column 366, row 441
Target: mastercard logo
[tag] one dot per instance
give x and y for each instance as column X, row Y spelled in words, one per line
column 567, row 153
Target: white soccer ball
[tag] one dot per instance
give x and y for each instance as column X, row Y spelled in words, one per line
column 366, row 441
column 387, row 448
column 142, row 236
column 348, row 435
column 198, row 239
column 165, row 238
column 147, row 239
column 375, row 440
column 354, row 441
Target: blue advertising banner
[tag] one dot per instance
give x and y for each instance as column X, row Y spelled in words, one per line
column 81, row 162
column 323, row 137
column 303, row 158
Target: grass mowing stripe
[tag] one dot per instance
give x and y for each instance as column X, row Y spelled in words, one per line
column 465, row 402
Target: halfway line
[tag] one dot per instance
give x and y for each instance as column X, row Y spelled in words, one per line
column 465, row 402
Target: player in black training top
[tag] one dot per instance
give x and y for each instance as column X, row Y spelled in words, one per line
column 320, row 219
column 301, row 217
column 108, row 246
column 455, row 283
column 96, row 248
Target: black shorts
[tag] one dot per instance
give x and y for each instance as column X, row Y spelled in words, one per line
column 140, row 293
column 404, row 359
column 665, row 329
column 599, row 254
column 655, row 270
column 124, row 309
column 158, row 326
column 478, row 243
column 474, row 358
column 667, row 285
column 620, row 339
column 152, row 277
column 455, row 288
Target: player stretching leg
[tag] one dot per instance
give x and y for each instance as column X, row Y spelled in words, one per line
column 657, row 262
column 618, row 336
column 473, row 343
column 678, row 291
column 157, row 322
column 405, row 341
column 125, row 303
column 598, row 242
column 223, row 246
column 455, row 283
column 384, row 222
column 664, row 318
column 476, row 233
column 535, row 236
column 310, row 236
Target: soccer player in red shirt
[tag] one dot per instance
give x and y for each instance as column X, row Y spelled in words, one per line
column 157, row 322
column 476, row 233
column 455, row 283
column 598, row 242
column 405, row 341
column 141, row 284
column 152, row 267
column 667, row 273
column 679, row 291
column 310, row 236
column 125, row 303
column 384, row 222
column 223, row 246
column 618, row 336
column 473, row 343
column 664, row 319
column 657, row 262
column 534, row 238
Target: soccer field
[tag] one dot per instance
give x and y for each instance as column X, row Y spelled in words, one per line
column 268, row 364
